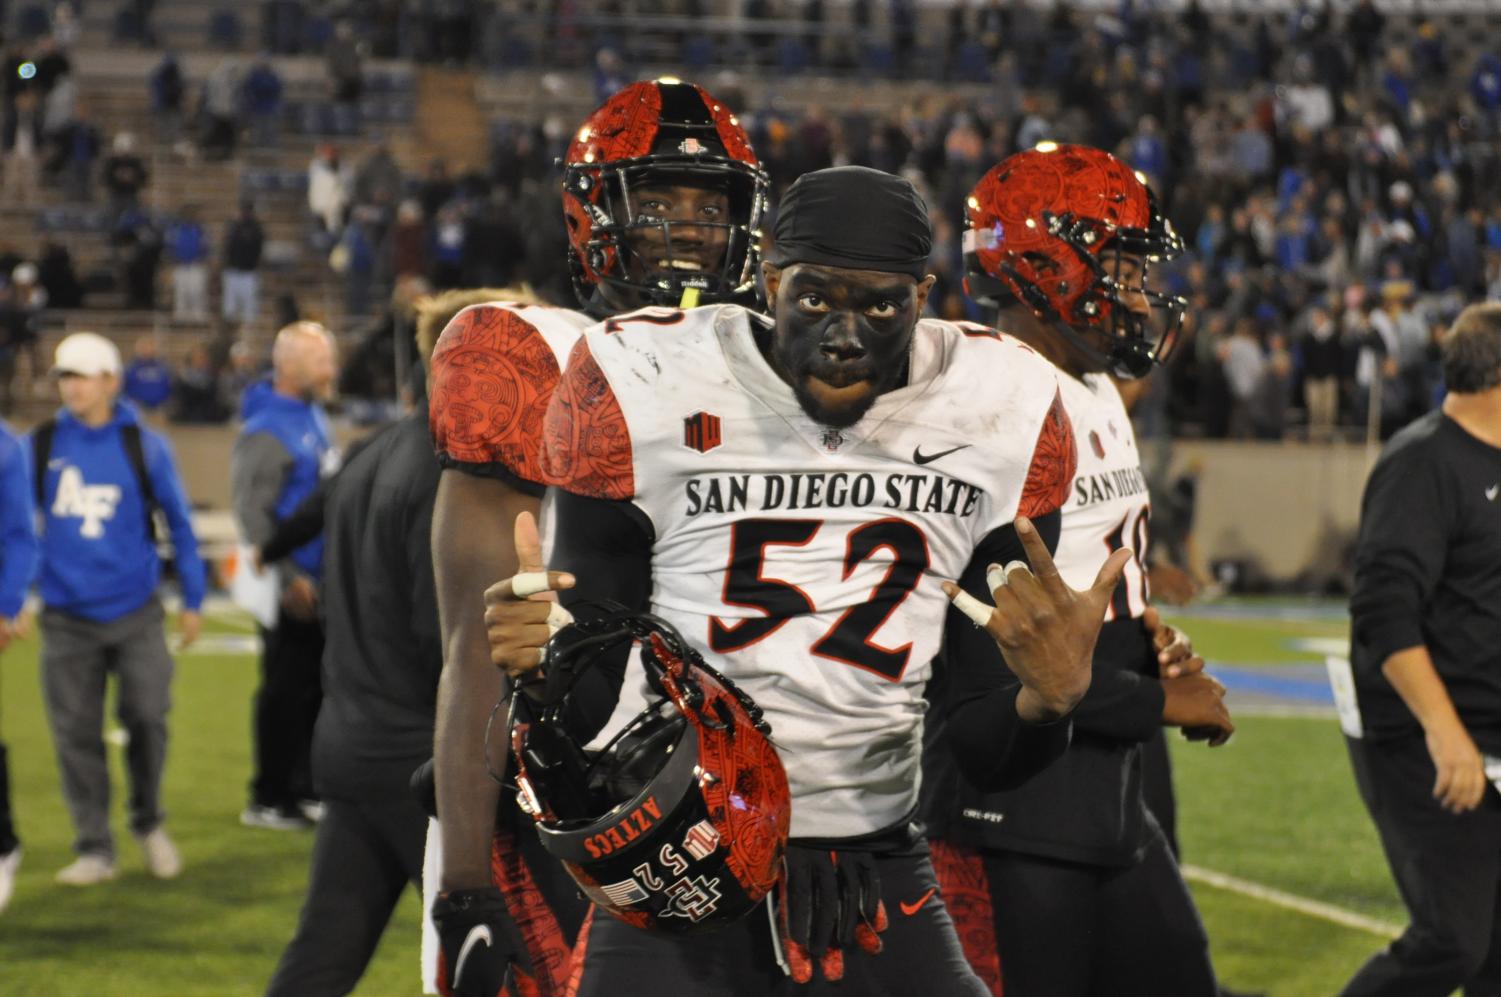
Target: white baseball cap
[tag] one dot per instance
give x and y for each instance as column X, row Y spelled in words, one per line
column 88, row 354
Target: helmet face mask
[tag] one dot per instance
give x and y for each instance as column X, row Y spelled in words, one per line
column 1071, row 233
column 680, row 822
column 660, row 134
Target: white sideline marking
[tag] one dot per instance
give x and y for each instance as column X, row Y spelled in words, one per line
column 1291, row 901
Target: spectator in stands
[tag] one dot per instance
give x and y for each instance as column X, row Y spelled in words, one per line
column 378, row 181
column 1244, row 364
column 167, row 91
column 21, row 146
column 100, row 478
column 437, row 187
column 220, row 130
column 187, row 244
column 355, row 258
column 242, row 260
column 138, row 245
column 328, row 190
column 1322, row 361
column 449, row 248
column 58, row 278
column 77, row 152
column 58, row 105
column 263, row 101
column 196, row 390
column 239, row 374
column 148, row 379
column 408, row 242
column 346, row 64
column 124, row 173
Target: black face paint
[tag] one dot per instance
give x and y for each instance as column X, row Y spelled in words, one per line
column 842, row 338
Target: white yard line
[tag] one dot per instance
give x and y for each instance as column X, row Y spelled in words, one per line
column 1291, row 901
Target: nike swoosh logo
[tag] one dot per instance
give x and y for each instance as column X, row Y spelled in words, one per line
column 918, row 457
column 478, row 933
column 910, row 909
column 1492, row 492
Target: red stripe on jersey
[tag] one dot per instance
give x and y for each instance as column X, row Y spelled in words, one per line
column 966, row 894
column 548, row 950
column 493, row 375
column 1054, row 461
column 588, row 444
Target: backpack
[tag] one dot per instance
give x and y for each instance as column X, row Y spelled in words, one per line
column 135, row 452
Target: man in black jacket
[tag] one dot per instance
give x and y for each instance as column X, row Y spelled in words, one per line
column 1426, row 653
column 381, row 664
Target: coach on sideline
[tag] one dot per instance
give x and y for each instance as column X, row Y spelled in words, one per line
column 1426, row 653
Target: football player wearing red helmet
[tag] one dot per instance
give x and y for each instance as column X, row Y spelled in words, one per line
column 662, row 197
column 1068, row 878
column 789, row 492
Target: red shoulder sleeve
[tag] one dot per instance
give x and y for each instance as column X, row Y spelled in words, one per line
column 1054, row 461
column 588, row 444
column 493, row 375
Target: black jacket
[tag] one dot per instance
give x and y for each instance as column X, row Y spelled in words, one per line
column 383, row 653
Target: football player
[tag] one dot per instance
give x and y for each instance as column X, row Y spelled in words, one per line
column 790, row 492
column 1068, row 878
column 662, row 197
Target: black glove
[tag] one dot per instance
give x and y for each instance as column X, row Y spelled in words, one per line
column 829, row 899
column 424, row 787
column 478, row 947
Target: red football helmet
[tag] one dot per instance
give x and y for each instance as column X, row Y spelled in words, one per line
column 680, row 822
column 1039, row 224
column 659, row 131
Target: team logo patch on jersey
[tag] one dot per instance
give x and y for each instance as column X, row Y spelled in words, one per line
column 701, row 840
column 701, row 432
column 832, row 440
column 1096, row 444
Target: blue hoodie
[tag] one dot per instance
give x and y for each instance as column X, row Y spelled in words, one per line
column 98, row 560
column 18, row 543
column 302, row 428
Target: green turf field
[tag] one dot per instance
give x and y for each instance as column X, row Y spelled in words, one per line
column 1275, row 807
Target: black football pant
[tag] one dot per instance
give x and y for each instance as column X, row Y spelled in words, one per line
column 921, row 953
column 1064, row 929
column 286, row 707
column 1448, row 870
column 364, row 855
column 8, row 839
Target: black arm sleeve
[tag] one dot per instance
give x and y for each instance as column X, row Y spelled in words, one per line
column 606, row 546
column 1123, row 703
column 993, row 747
column 301, row 527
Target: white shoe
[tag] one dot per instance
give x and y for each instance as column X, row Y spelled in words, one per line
column 10, row 864
column 274, row 818
column 311, row 809
column 162, row 858
column 86, row 870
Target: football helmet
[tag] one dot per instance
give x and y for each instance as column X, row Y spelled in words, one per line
column 669, row 132
column 680, row 823
column 1050, row 227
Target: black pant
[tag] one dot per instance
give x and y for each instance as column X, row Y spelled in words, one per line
column 921, row 953
column 1448, row 870
column 286, row 707
column 1070, row 930
column 364, row 855
column 8, row 840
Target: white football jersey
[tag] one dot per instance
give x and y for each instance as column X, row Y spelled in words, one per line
column 804, row 561
column 1108, row 507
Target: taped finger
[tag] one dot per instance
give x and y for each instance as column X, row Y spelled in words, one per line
column 557, row 617
column 1013, row 566
column 995, row 577
column 976, row 610
column 529, row 583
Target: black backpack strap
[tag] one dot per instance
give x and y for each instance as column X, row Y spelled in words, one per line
column 41, row 452
column 130, row 435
